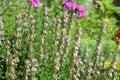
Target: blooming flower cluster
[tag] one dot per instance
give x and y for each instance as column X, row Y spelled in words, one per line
column 35, row 3
column 117, row 35
column 78, row 9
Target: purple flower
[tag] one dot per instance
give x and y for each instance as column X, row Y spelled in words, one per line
column 68, row 5
column 75, row 6
column 79, row 10
column 35, row 3
column 66, row 1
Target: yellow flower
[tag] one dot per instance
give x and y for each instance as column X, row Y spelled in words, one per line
column 107, row 63
column 105, row 20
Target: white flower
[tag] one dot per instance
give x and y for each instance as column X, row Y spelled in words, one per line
column 34, row 69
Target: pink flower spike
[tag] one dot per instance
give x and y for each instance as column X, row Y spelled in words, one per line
column 35, row 3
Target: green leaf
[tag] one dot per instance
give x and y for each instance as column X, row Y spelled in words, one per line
column 102, row 8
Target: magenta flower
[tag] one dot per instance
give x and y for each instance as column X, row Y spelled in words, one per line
column 79, row 10
column 66, row 1
column 68, row 5
column 35, row 3
column 75, row 6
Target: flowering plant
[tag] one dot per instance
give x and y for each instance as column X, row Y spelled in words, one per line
column 78, row 9
column 35, row 3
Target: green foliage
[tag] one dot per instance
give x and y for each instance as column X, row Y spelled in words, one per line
column 107, row 8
